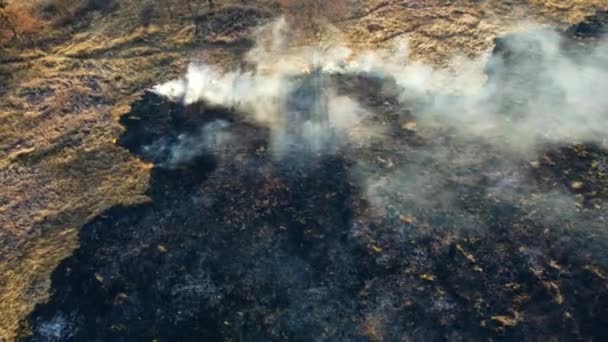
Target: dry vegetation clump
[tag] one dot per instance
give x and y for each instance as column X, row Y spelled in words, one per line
column 307, row 15
column 26, row 18
column 17, row 20
column 65, row 12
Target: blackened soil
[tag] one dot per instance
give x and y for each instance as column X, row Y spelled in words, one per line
column 222, row 244
column 242, row 247
column 593, row 26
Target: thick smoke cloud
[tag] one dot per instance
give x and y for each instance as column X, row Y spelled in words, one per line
column 551, row 97
column 541, row 94
column 287, row 90
column 481, row 119
column 546, row 94
column 282, row 101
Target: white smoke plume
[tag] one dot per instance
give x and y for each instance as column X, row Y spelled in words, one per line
column 171, row 153
column 471, row 111
column 565, row 104
column 481, row 118
column 287, row 91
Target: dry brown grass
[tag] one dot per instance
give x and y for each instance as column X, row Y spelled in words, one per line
column 97, row 44
column 58, row 165
column 566, row 11
column 372, row 328
column 306, row 15
column 26, row 276
column 17, row 19
column 436, row 30
column 65, row 12
column 65, row 170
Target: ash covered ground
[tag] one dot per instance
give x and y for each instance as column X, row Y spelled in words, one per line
column 432, row 232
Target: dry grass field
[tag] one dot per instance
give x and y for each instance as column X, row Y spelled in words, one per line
column 67, row 74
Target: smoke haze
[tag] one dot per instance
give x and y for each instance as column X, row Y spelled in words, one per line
column 482, row 120
column 551, row 96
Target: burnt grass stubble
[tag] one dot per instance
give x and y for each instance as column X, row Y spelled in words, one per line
column 238, row 246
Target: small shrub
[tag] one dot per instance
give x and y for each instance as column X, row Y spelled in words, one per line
column 17, row 20
column 146, row 13
column 98, row 5
column 65, row 12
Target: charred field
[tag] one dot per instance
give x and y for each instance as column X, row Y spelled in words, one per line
column 447, row 239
